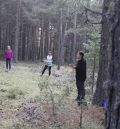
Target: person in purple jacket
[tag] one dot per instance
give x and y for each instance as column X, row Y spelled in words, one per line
column 8, row 56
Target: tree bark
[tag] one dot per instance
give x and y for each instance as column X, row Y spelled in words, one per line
column 113, row 87
column 93, row 73
column 103, row 57
column 60, row 40
column 17, row 32
column 75, row 39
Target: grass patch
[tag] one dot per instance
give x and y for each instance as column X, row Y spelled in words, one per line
column 91, row 125
column 13, row 93
column 5, row 124
column 21, row 125
column 47, row 100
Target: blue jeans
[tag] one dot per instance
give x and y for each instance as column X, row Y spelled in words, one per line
column 8, row 64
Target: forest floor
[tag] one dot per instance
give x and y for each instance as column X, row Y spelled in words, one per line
column 29, row 101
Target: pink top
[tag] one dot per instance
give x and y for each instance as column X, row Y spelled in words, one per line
column 8, row 54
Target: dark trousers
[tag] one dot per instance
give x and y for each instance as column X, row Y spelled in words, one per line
column 45, row 68
column 80, row 89
column 8, row 64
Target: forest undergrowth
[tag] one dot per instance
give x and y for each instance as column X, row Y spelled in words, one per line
column 29, row 101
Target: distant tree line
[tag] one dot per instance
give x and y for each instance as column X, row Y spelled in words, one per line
column 33, row 28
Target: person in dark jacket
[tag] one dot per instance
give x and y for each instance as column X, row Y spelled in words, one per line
column 80, row 68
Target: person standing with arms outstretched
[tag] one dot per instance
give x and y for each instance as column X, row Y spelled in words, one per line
column 8, row 54
column 80, row 68
column 48, row 63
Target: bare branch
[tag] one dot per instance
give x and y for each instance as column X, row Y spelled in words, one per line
column 92, row 11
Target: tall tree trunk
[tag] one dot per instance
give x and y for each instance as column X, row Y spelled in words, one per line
column 17, row 31
column 113, row 87
column 60, row 40
column 103, row 57
column 93, row 73
column 75, row 37
column 49, row 34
